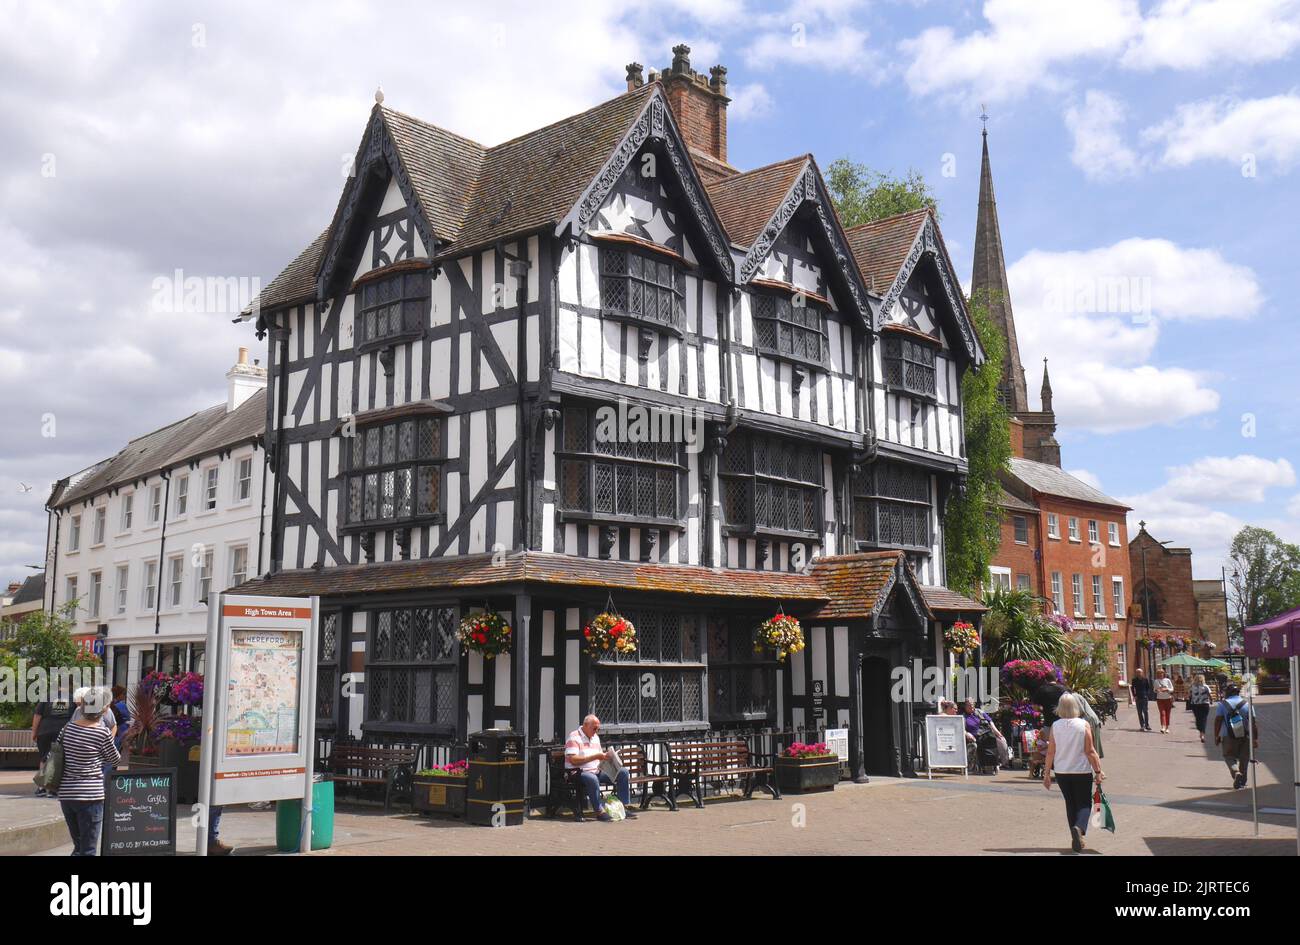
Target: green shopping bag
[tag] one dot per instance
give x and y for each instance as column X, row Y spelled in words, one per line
column 1101, row 815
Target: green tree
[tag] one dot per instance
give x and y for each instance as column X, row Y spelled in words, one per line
column 42, row 640
column 861, row 194
column 972, row 524
column 1266, row 575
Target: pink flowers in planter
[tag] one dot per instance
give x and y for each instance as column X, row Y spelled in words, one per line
column 802, row 750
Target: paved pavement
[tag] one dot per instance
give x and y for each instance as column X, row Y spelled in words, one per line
column 1171, row 797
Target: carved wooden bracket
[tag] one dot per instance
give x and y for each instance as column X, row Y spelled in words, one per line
column 649, row 541
column 608, row 537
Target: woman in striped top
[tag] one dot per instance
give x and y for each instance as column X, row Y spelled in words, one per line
column 87, row 748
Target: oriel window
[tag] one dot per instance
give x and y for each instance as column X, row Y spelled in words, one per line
column 790, row 328
column 909, row 365
column 891, row 506
column 615, row 477
column 643, row 287
column 771, row 484
column 392, row 309
column 395, row 472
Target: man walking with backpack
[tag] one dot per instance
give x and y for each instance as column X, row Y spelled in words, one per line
column 1236, row 729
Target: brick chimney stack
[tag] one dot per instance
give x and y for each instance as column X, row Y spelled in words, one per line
column 699, row 105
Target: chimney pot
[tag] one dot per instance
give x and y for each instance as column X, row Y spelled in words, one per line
column 634, row 77
column 718, row 79
column 243, row 355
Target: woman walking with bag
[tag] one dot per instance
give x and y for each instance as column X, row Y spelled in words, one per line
column 87, row 748
column 1073, row 759
column 1198, row 697
column 1164, row 687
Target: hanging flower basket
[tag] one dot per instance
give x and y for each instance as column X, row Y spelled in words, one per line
column 486, row 633
column 609, row 632
column 781, row 633
column 961, row 638
column 1030, row 674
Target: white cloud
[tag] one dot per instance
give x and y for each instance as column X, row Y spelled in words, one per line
column 1293, row 506
column 1191, row 34
column 1206, row 530
column 1230, row 130
column 749, row 101
column 1099, row 150
column 1243, row 478
column 1025, row 39
column 824, row 46
column 1097, row 315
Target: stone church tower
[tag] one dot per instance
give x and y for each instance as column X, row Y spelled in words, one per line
column 989, row 285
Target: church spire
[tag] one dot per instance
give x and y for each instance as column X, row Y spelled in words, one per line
column 1046, row 393
column 989, row 284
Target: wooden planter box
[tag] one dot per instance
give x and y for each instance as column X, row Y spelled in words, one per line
column 172, row 754
column 1275, row 685
column 439, row 795
column 807, row 775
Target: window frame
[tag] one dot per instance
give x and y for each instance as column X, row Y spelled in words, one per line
column 155, row 504
column 1027, row 584
column 584, row 454
column 1112, row 533
column 750, row 473
column 1019, row 523
column 1098, row 598
column 203, row 578
column 414, row 307
column 782, row 314
column 243, row 482
column 96, row 602
column 1058, row 593
column 360, row 469
column 1053, row 526
column 121, row 588
column 234, row 553
column 607, row 252
column 1000, row 577
column 1076, row 591
column 126, row 515
column 872, row 495
column 1117, row 595
column 181, row 503
column 1072, row 527
column 99, row 526
column 900, row 380
column 211, row 487
column 148, row 591
column 617, row 667
column 376, row 668
column 176, row 582
column 1094, row 532
column 74, row 533
column 70, row 582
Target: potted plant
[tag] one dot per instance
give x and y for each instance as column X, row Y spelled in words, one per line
column 486, row 633
column 441, row 789
column 782, row 634
column 1028, row 675
column 961, row 638
column 803, row 768
column 608, row 631
column 158, row 738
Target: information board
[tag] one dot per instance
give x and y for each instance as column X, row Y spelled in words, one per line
column 945, row 742
column 837, row 740
column 140, row 813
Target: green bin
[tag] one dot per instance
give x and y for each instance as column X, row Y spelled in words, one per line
column 288, row 819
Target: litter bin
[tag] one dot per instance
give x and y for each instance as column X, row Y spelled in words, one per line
column 496, row 779
column 288, row 819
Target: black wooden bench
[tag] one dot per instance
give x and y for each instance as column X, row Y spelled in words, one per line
column 691, row 765
column 645, row 774
column 373, row 765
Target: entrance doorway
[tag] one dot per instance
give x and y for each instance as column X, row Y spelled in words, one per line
column 877, row 709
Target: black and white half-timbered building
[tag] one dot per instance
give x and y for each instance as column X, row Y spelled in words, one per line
column 597, row 365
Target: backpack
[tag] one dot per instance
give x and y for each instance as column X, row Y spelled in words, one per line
column 1238, row 720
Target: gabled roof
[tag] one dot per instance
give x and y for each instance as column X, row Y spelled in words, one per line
column 881, row 247
column 199, row 434
column 1054, row 481
column 1009, row 501
column 745, row 202
column 442, row 167
column 888, row 251
column 859, row 585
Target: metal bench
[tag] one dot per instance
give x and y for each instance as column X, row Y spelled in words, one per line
column 691, row 765
column 373, row 765
column 645, row 774
column 18, row 748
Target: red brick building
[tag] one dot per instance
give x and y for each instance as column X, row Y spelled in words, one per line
column 1164, row 595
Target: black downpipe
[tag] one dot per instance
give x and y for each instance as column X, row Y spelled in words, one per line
column 282, row 395
column 261, row 515
column 53, row 578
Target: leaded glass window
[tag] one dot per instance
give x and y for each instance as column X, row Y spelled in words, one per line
column 642, row 286
column 394, row 472
column 742, row 683
column 392, row 308
column 607, row 474
column 662, row 683
column 771, row 484
column 328, row 648
column 891, row 506
column 909, row 365
column 412, row 670
column 790, row 328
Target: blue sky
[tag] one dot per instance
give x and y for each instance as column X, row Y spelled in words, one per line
column 211, row 139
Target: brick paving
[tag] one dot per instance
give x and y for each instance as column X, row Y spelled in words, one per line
column 1170, row 796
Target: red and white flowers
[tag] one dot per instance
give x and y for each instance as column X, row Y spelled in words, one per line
column 608, row 633
column 486, row 633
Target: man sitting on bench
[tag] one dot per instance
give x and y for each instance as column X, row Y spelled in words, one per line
column 582, row 752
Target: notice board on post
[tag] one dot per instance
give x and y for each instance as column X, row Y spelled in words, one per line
column 263, row 720
column 140, row 813
column 945, row 742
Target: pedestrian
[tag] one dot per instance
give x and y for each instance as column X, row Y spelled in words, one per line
column 87, row 748
column 1139, row 694
column 1236, row 729
column 47, row 721
column 1198, row 697
column 121, row 715
column 1164, row 689
column 1073, row 759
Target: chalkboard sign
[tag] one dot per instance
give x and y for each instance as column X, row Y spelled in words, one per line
column 140, row 813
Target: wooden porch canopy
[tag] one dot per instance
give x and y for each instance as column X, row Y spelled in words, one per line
column 842, row 587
